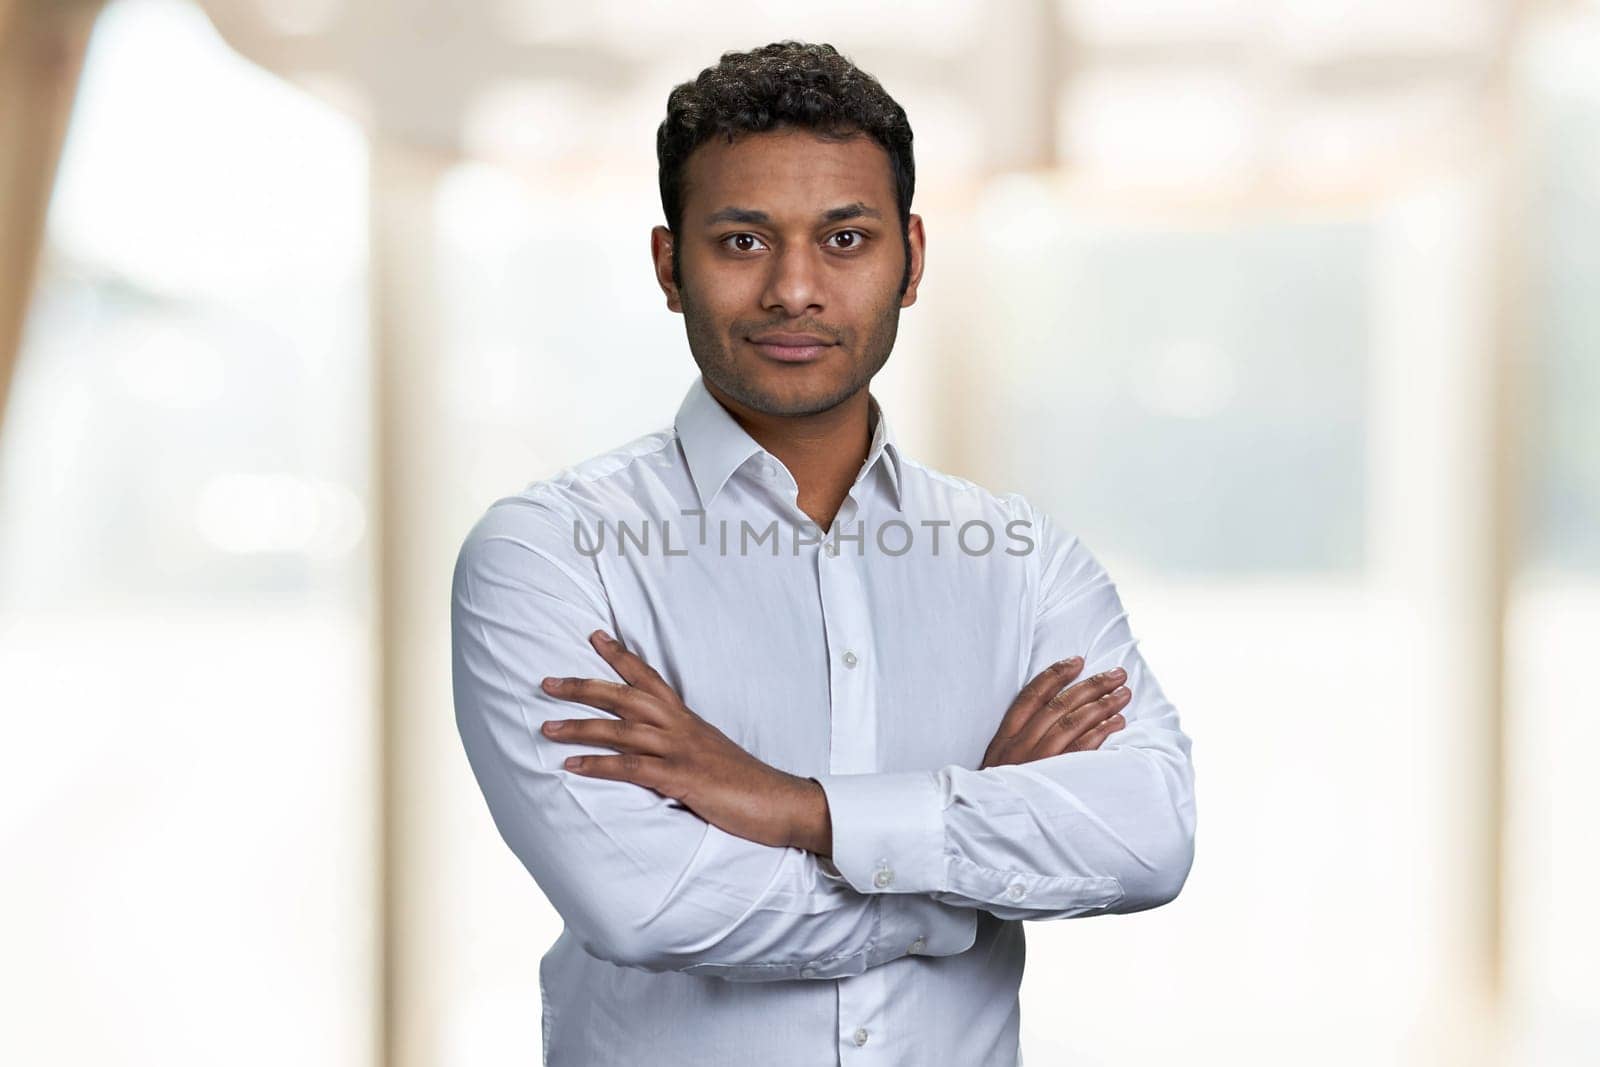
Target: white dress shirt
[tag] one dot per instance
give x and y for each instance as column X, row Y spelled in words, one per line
column 879, row 660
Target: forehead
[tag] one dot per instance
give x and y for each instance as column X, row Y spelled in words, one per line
column 780, row 170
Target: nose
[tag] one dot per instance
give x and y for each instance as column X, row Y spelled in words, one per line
column 794, row 281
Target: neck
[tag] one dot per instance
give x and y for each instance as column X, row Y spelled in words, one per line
column 824, row 451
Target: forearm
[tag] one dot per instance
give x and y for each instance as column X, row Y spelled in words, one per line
column 639, row 879
column 813, row 824
column 1109, row 831
column 673, row 893
column 1096, row 831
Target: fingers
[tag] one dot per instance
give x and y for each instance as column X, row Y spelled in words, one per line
column 643, row 695
column 1083, row 705
column 616, row 697
column 620, row 734
column 634, row 670
column 637, row 701
column 1078, row 731
column 1044, row 685
column 1074, row 730
column 1093, row 739
column 628, row 767
column 1084, row 729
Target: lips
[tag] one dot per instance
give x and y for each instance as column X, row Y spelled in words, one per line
column 791, row 347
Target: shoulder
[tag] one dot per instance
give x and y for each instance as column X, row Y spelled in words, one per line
column 579, row 491
column 1056, row 559
column 543, row 527
column 960, row 499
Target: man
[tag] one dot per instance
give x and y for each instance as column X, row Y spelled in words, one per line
column 794, row 792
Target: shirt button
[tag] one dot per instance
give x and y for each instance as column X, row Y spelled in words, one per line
column 808, row 972
column 832, row 548
column 918, row 945
column 883, row 878
column 860, row 1035
column 849, row 659
column 1015, row 890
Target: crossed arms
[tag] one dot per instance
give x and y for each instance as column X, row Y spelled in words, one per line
column 656, row 858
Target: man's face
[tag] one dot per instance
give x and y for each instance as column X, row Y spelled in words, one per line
column 786, row 233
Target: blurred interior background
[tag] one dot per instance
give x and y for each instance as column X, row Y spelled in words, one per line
column 1290, row 310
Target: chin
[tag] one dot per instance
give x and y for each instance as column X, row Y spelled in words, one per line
column 805, row 398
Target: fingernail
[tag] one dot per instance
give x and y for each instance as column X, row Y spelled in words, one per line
column 572, row 763
column 602, row 637
column 551, row 683
column 552, row 727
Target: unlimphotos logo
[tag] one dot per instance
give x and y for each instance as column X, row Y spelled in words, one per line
column 894, row 537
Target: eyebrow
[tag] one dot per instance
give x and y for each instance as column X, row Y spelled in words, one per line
column 761, row 218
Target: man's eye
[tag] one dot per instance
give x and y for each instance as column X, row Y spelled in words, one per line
column 746, row 242
column 740, row 237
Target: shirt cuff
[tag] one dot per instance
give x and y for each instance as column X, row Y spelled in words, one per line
column 888, row 832
column 921, row 926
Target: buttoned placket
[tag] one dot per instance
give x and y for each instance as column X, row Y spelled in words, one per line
column 853, row 731
column 852, row 749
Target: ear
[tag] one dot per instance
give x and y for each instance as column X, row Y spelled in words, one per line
column 661, row 256
column 915, row 238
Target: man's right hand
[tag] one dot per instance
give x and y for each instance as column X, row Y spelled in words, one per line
column 1047, row 720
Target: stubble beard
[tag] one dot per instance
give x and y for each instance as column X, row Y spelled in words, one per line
column 711, row 348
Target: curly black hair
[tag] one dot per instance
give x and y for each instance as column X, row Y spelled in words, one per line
column 782, row 85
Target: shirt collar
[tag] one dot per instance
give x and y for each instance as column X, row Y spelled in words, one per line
column 715, row 445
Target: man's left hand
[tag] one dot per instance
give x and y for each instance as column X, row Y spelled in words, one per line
column 666, row 747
